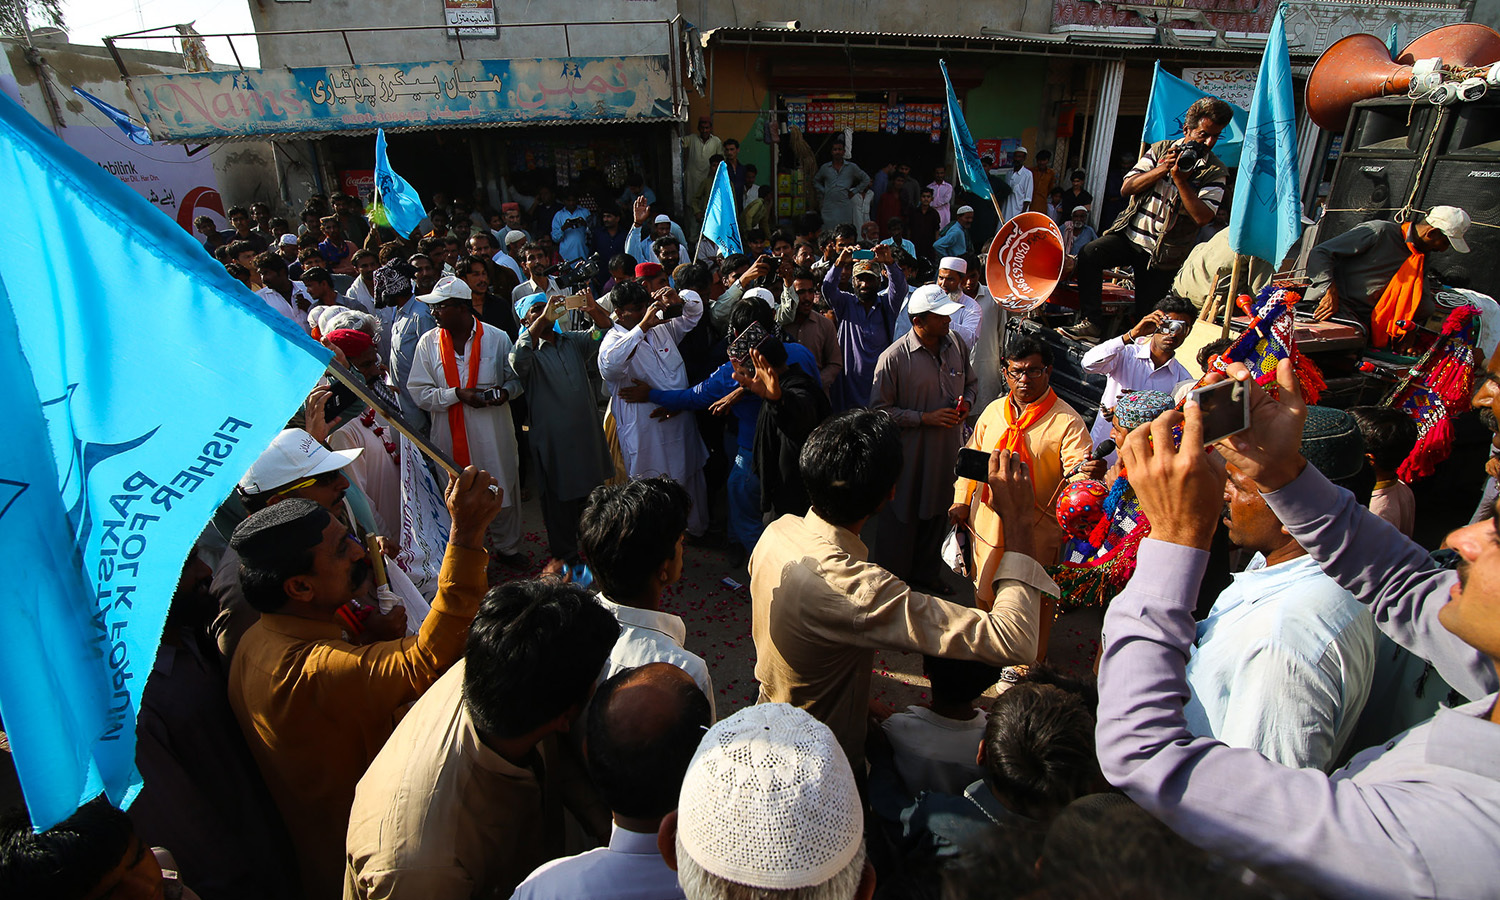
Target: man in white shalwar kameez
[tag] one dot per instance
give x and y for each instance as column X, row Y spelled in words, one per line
column 642, row 346
column 462, row 376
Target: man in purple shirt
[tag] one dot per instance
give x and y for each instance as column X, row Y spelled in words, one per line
column 1418, row 816
column 866, row 318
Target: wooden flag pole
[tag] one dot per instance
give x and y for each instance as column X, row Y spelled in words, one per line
column 1234, row 292
column 361, row 390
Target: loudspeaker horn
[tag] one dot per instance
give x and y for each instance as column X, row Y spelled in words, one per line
column 1025, row 262
column 1461, row 45
column 1353, row 68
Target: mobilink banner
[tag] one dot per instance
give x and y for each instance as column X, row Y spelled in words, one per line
column 207, row 105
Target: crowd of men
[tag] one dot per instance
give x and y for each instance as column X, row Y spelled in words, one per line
column 321, row 722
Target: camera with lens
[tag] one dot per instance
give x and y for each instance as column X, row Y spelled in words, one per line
column 1191, row 157
column 577, row 273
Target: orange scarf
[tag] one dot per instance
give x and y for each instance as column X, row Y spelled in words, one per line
column 1402, row 296
column 1014, row 436
column 450, row 375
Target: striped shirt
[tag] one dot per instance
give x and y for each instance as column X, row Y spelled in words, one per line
column 1150, row 217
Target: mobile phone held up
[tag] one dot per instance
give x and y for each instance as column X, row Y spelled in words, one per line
column 749, row 339
column 973, row 465
column 862, row 254
column 1225, row 406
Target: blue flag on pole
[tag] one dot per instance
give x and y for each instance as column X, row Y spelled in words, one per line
column 133, row 129
column 132, row 406
column 1170, row 98
column 1266, row 218
column 402, row 205
column 971, row 174
column 721, row 223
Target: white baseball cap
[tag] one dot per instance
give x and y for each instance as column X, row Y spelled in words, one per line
column 449, row 287
column 287, row 240
column 955, row 264
column 294, row 455
column 1452, row 222
column 933, row 299
column 962, row 210
column 769, row 801
column 1020, row 150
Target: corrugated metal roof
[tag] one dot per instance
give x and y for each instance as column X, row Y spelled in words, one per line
column 1071, row 44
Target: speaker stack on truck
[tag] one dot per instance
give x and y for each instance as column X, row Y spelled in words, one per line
column 1422, row 130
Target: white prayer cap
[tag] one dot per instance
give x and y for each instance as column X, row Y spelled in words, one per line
column 321, row 314
column 933, row 299
column 449, row 287
column 954, row 263
column 512, row 236
column 962, row 210
column 760, row 293
column 663, row 219
column 769, row 801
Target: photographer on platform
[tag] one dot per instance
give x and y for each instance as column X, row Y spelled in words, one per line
column 1173, row 190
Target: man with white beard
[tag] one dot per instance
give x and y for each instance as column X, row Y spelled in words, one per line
column 952, row 270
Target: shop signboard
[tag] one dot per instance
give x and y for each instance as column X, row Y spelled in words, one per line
column 264, row 102
column 474, row 18
column 1235, row 86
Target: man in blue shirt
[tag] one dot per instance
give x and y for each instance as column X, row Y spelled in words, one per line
column 955, row 240
column 570, row 227
column 1283, row 662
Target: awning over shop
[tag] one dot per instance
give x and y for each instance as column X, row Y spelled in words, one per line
column 354, row 99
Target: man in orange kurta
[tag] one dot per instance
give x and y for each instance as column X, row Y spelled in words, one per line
column 1054, row 439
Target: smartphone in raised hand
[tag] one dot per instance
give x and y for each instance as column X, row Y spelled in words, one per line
column 1225, row 407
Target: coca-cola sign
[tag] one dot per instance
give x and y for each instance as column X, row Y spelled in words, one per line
column 1025, row 262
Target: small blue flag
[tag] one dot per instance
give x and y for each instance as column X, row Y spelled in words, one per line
column 133, row 129
column 1266, row 218
column 1170, row 98
column 127, row 425
column 1390, row 41
column 400, row 200
column 971, row 174
column 720, row 221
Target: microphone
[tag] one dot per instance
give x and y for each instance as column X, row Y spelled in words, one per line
column 1105, row 448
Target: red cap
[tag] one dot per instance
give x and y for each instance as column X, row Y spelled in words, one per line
column 647, row 269
column 514, row 206
column 351, row 341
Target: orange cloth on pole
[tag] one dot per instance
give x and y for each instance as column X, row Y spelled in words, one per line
column 1401, row 298
column 450, row 374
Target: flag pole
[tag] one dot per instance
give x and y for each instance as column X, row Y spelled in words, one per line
column 1234, row 291
column 362, row 391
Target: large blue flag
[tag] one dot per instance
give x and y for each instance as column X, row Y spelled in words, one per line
column 721, row 223
column 403, row 208
column 1170, row 98
column 971, row 174
column 1266, row 218
column 140, row 382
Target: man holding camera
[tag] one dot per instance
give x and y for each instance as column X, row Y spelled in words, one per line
column 1173, row 190
column 1131, row 364
column 462, row 376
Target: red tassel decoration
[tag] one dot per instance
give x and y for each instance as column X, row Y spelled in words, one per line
column 1432, row 448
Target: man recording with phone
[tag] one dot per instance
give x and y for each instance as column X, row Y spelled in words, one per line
column 1133, row 364
column 1173, row 190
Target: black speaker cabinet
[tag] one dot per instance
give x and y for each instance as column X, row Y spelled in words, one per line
column 1451, row 155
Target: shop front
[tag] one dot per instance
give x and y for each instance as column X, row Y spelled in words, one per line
column 465, row 128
